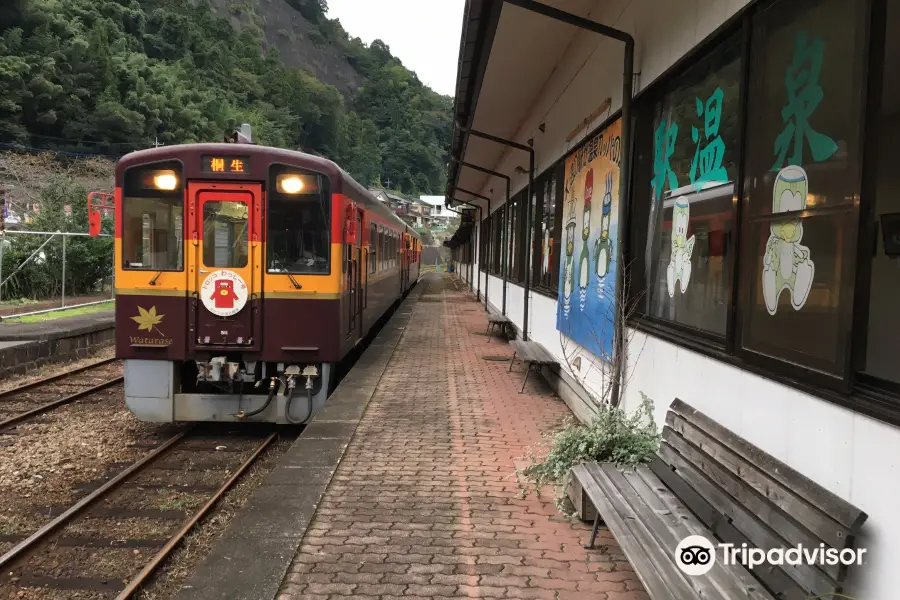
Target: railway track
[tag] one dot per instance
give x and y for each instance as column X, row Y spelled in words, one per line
column 32, row 399
column 109, row 543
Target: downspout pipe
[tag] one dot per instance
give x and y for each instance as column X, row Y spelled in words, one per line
column 530, row 194
column 480, row 218
column 625, row 164
column 488, row 200
column 505, row 217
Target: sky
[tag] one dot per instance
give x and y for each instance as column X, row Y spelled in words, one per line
column 423, row 34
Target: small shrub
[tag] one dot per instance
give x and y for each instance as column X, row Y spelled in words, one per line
column 613, row 436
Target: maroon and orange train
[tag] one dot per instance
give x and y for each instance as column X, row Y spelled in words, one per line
column 244, row 275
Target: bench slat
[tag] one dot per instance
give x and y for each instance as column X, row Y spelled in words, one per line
column 747, row 476
column 651, row 489
column 830, row 504
column 669, row 530
column 748, row 528
column 532, row 352
column 660, row 585
column 722, row 529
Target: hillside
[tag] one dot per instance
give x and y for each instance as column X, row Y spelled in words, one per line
column 111, row 76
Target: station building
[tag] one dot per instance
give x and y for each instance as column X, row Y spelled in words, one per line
column 735, row 242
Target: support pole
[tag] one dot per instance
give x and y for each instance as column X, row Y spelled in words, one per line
column 503, row 270
column 530, row 193
column 480, row 216
column 624, row 167
column 63, row 300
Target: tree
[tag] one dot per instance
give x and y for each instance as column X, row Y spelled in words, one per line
column 112, row 76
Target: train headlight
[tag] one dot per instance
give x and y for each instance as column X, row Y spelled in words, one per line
column 290, row 184
column 165, row 180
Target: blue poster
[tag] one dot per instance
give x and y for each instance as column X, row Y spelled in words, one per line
column 587, row 287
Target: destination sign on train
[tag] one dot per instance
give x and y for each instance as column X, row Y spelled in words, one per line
column 225, row 164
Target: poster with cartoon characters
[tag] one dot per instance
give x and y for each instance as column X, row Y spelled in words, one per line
column 587, row 287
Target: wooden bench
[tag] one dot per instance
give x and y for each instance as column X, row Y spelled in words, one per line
column 497, row 320
column 532, row 354
column 710, row 482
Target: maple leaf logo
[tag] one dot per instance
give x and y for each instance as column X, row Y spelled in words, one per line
column 148, row 319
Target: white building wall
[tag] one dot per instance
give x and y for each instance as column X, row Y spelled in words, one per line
column 854, row 456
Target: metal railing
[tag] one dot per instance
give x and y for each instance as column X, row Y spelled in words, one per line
column 37, row 260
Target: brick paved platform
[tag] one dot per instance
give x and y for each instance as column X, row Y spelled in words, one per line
column 426, row 504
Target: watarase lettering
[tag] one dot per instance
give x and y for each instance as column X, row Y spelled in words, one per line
column 145, row 341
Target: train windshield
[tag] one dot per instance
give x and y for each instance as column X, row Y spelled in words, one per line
column 225, row 234
column 298, row 239
column 153, row 221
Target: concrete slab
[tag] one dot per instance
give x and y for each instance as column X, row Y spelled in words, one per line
column 5, row 344
column 25, row 347
column 58, row 328
column 250, row 560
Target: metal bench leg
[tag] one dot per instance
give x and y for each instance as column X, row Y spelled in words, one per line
column 488, row 332
column 527, row 373
column 511, row 362
column 590, row 546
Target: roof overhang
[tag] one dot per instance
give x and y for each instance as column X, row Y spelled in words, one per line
column 507, row 55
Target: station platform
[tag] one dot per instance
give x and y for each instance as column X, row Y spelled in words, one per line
column 405, row 485
column 27, row 346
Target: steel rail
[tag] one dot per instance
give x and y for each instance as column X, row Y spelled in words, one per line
column 32, row 541
column 52, row 378
column 175, row 540
column 51, row 405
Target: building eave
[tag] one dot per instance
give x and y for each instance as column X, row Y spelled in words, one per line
column 479, row 25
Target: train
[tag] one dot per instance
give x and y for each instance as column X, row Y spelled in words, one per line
column 245, row 275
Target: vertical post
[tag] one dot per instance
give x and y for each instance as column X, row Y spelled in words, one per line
column 63, row 300
column 2, row 243
column 528, row 244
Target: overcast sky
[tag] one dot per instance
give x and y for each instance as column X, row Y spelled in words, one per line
column 423, row 34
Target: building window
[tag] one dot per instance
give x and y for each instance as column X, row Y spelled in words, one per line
column 684, row 212
column 546, row 236
column 802, row 174
column 512, row 234
column 484, row 243
column 497, row 241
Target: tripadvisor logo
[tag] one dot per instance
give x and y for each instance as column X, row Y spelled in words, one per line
column 695, row 555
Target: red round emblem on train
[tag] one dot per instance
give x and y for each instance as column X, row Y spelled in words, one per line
column 224, row 293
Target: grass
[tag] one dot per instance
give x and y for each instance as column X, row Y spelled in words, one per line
column 69, row 312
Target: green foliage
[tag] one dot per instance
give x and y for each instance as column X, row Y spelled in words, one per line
column 613, row 436
column 111, row 76
column 88, row 260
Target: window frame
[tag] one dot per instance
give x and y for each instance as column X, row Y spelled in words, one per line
column 853, row 390
column 556, row 170
column 178, row 194
column 275, row 169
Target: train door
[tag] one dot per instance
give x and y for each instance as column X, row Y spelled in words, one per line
column 404, row 249
column 225, row 264
column 353, row 250
column 361, row 272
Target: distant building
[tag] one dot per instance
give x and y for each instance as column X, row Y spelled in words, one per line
column 414, row 211
column 440, row 216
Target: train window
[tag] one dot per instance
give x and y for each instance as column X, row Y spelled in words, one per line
column 225, row 234
column 686, row 166
column 153, row 219
column 379, row 245
column 299, row 222
column 373, row 253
